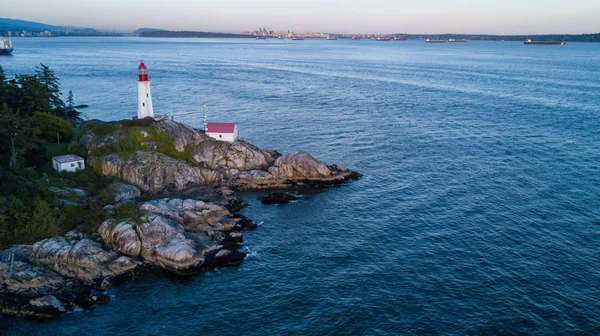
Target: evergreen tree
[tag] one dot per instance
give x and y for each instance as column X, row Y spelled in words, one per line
column 16, row 134
column 49, row 81
column 70, row 100
column 33, row 97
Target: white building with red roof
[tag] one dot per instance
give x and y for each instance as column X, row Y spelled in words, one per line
column 222, row 131
column 70, row 163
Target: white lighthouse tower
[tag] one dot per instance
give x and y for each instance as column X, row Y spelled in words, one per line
column 145, row 108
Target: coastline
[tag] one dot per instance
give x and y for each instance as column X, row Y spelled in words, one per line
column 182, row 236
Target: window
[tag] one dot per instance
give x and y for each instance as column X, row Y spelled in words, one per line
column 72, row 165
column 220, row 136
column 147, row 95
column 143, row 104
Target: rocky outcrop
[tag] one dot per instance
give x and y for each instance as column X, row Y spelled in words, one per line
column 122, row 236
column 155, row 172
column 29, row 280
column 34, row 290
column 124, row 192
column 293, row 168
column 207, row 161
column 85, row 260
column 184, row 135
column 180, row 236
column 239, row 155
column 277, row 198
column 165, row 245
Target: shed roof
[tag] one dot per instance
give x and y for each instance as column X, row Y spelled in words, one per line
column 220, row 127
column 67, row 158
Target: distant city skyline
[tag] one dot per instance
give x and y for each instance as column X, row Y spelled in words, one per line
column 332, row 16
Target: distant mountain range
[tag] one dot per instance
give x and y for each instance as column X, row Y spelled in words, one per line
column 146, row 30
column 168, row 33
column 34, row 26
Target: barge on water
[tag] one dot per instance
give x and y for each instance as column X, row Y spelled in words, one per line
column 434, row 41
column 562, row 43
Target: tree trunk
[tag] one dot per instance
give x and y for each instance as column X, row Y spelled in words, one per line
column 13, row 152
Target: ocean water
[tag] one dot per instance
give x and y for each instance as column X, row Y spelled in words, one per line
column 478, row 212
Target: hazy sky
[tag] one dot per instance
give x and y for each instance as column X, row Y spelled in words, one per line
column 337, row 16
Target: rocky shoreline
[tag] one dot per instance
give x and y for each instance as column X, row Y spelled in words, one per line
column 180, row 235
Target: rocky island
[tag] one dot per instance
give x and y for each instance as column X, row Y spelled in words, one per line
column 181, row 235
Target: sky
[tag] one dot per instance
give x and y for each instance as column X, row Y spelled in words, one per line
column 332, row 16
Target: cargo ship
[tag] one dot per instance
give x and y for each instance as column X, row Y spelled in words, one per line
column 383, row 39
column 434, row 41
column 261, row 37
column 6, row 47
column 457, row 40
column 297, row 38
column 545, row 42
column 332, row 37
column 400, row 38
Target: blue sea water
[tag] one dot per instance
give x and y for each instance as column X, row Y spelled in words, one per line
column 478, row 212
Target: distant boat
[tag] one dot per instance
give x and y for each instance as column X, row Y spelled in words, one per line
column 261, row 37
column 545, row 42
column 383, row 38
column 332, row 37
column 400, row 38
column 457, row 40
column 356, row 37
column 297, row 38
column 434, row 41
column 6, row 47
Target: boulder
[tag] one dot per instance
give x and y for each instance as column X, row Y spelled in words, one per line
column 124, row 192
column 29, row 280
column 165, row 245
column 89, row 302
column 184, row 135
column 277, row 198
column 47, row 306
column 83, row 259
column 185, row 211
column 154, row 172
column 122, row 236
column 293, row 168
column 239, row 155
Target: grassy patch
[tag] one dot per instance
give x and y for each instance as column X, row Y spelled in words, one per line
column 140, row 135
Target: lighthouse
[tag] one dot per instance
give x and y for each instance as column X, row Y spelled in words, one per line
column 145, row 109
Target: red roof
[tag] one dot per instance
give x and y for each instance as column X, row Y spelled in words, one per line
column 142, row 66
column 220, row 127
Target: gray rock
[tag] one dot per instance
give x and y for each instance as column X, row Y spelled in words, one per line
column 85, row 260
column 29, row 280
column 121, row 236
column 164, row 244
column 297, row 167
column 155, row 172
column 124, row 192
column 185, row 136
column 238, row 155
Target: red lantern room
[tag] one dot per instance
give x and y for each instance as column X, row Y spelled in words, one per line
column 143, row 75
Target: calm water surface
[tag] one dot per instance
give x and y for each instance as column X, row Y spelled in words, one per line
column 478, row 213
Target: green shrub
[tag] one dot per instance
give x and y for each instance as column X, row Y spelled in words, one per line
column 145, row 122
column 52, row 127
column 103, row 129
column 77, row 148
column 128, row 210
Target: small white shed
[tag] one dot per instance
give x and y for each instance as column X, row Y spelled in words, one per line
column 222, row 131
column 69, row 163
